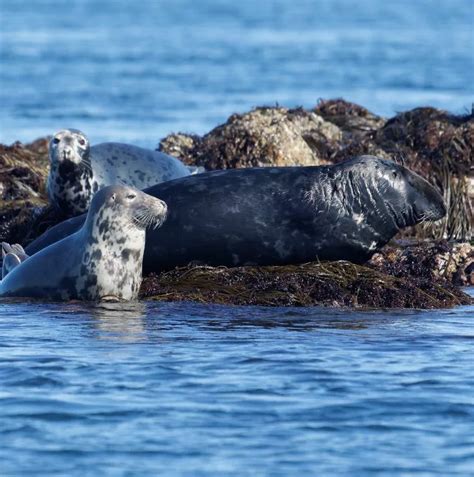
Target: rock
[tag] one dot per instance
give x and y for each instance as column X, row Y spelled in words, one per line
column 442, row 260
column 349, row 117
column 340, row 284
column 24, row 210
column 266, row 136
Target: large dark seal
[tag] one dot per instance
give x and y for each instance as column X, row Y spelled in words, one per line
column 286, row 215
column 102, row 260
column 78, row 170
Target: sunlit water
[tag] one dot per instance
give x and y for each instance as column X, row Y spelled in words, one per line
column 135, row 71
column 182, row 389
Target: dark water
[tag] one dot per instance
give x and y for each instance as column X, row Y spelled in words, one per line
column 135, row 71
column 181, row 389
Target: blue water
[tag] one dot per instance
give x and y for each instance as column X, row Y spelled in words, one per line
column 193, row 390
column 136, row 71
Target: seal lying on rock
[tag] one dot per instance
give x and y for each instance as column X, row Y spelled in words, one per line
column 281, row 215
column 101, row 260
column 78, row 171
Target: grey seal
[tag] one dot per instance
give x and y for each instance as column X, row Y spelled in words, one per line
column 78, row 170
column 102, row 260
column 282, row 215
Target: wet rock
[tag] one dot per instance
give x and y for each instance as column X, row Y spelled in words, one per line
column 335, row 284
column 447, row 261
column 266, row 136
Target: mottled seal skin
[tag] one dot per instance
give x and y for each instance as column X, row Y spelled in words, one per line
column 102, row 260
column 78, row 171
column 283, row 215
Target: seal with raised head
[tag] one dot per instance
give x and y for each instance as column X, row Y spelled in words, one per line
column 102, row 260
column 282, row 215
column 78, row 170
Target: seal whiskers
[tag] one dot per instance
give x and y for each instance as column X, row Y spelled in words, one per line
column 102, row 259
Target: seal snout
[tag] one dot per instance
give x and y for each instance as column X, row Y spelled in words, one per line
column 428, row 204
column 157, row 211
column 67, row 153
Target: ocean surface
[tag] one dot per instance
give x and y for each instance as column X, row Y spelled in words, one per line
column 136, row 71
column 192, row 390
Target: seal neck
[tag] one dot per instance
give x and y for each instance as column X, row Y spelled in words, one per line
column 70, row 186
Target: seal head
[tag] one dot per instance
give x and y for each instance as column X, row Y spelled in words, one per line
column 385, row 195
column 70, row 179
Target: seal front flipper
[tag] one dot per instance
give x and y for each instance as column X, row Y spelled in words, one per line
column 12, row 256
column 16, row 249
column 10, row 261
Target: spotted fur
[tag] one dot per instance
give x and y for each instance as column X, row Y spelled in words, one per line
column 102, row 260
column 78, row 171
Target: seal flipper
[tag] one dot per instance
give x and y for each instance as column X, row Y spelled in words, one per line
column 195, row 170
column 16, row 249
column 10, row 261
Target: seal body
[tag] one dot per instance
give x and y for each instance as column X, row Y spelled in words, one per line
column 102, row 260
column 287, row 215
column 77, row 170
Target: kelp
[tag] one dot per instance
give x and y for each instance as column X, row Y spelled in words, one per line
column 335, row 284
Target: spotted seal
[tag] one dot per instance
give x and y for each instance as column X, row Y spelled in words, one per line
column 78, row 170
column 282, row 215
column 101, row 260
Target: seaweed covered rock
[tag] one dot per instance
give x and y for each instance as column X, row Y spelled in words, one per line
column 266, row 136
column 23, row 172
column 452, row 262
column 340, row 284
column 438, row 145
column 349, row 117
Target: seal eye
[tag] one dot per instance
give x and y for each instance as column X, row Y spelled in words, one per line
column 131, row 196
column 112, row 198
column 82, row 142
column 395, row 175
column 56, row 140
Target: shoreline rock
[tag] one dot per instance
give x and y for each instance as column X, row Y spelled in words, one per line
column 335, row 284
column 407, row 273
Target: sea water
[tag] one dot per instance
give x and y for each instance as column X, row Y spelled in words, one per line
column 199, row 390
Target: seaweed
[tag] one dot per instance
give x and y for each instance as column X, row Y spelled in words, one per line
column 336, row 284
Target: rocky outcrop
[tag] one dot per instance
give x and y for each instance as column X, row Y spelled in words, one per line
column 263, row 137
column 335, row 284
column 436, row 261
column 409, row 274
column 24, row 211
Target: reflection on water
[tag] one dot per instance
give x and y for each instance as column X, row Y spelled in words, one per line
column 234, row 390
column 120, row 321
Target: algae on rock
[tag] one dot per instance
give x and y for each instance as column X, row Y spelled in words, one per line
column 339, row 284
